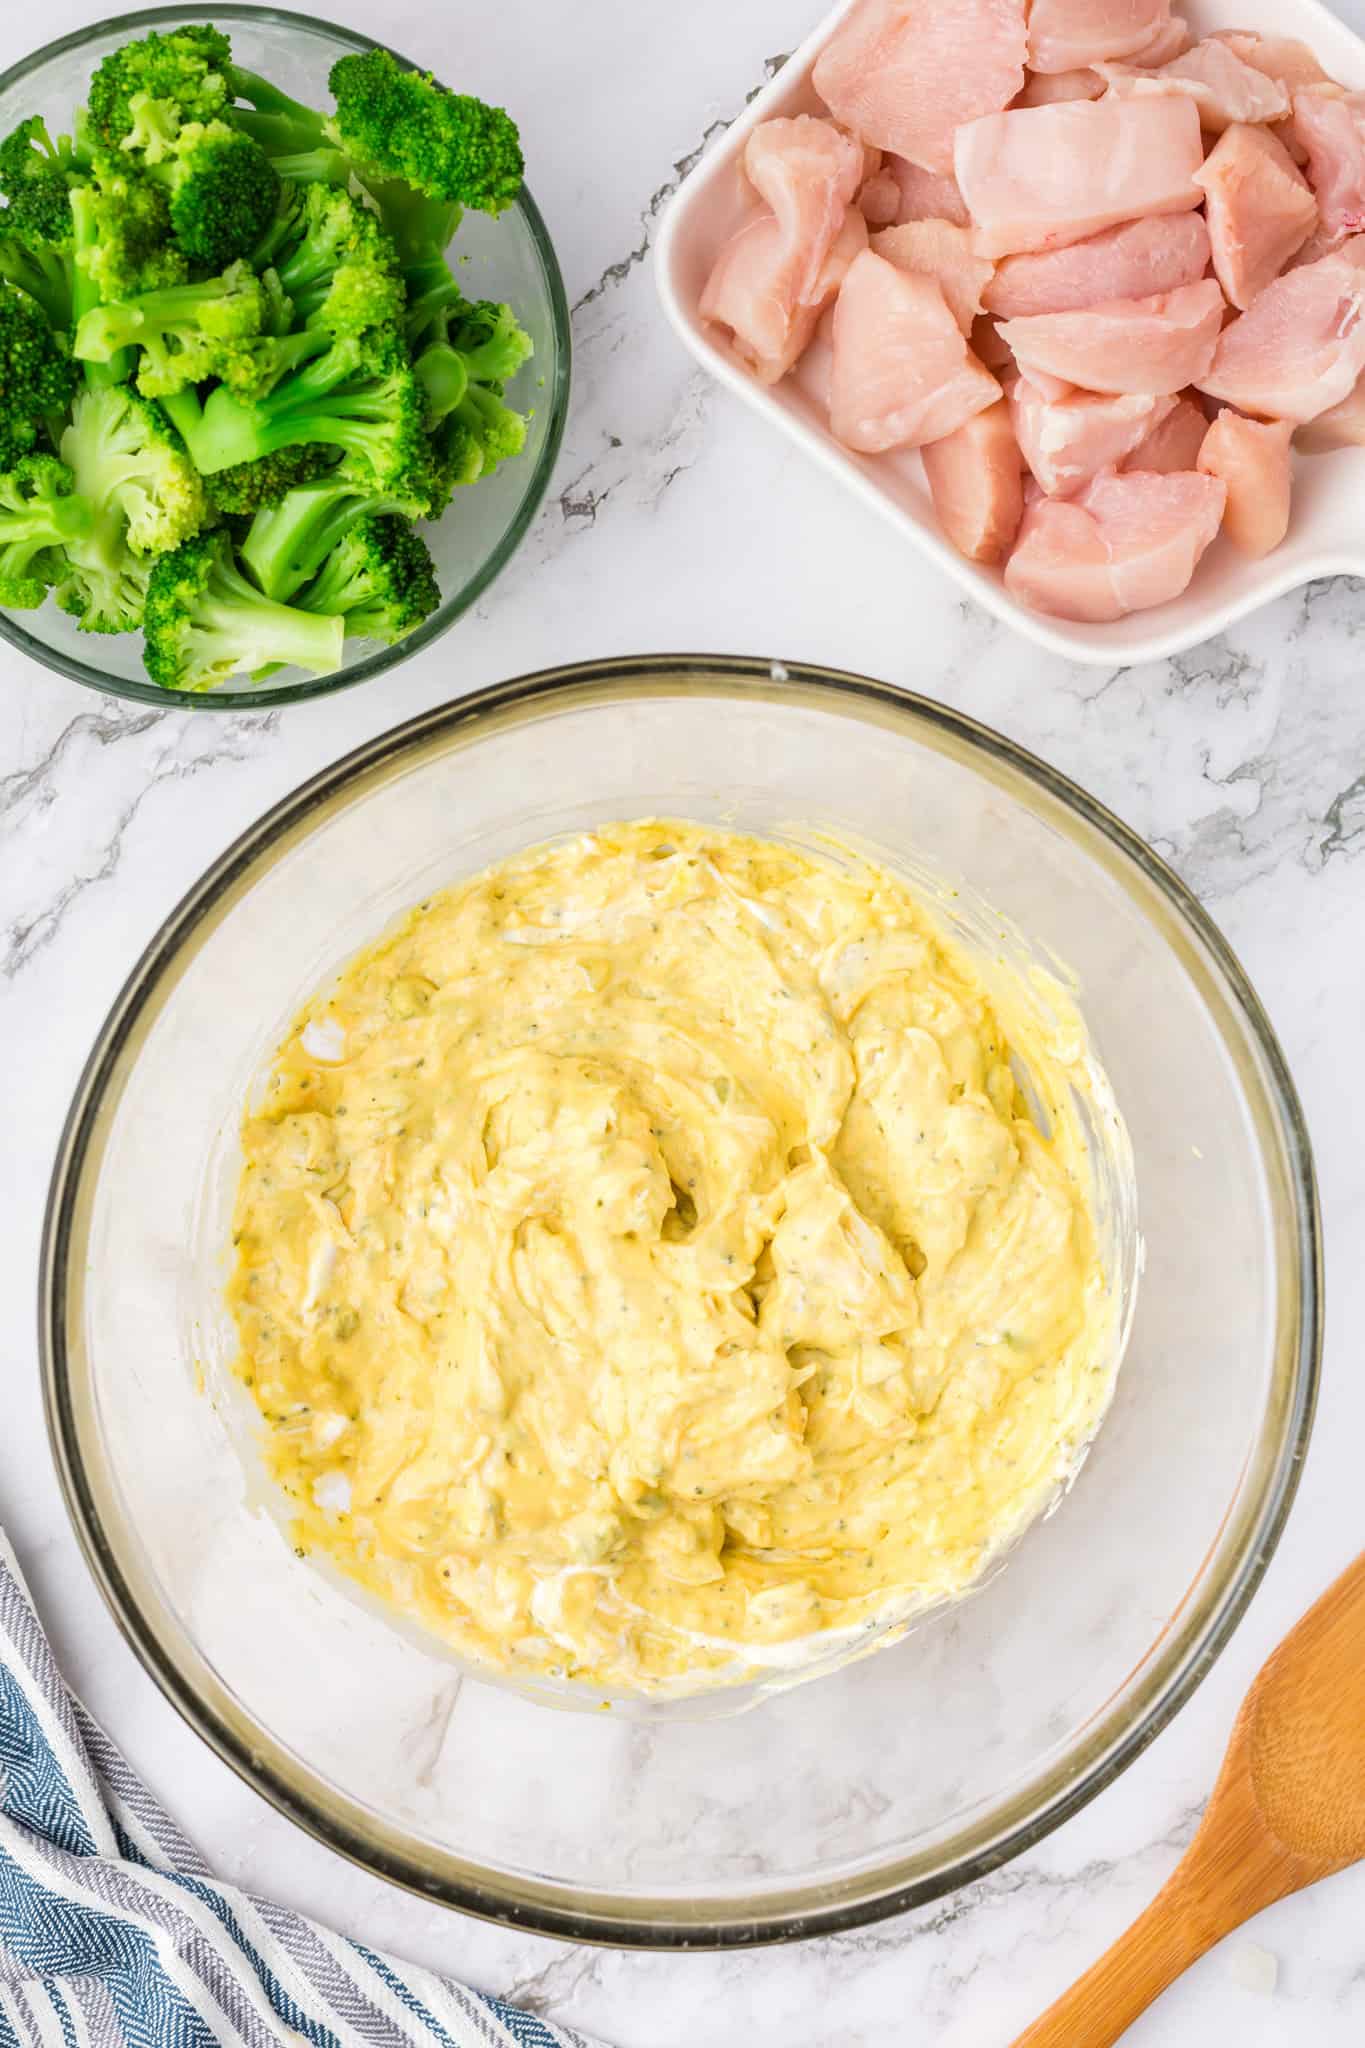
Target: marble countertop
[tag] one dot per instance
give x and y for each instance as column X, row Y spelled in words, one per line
column 677, row 521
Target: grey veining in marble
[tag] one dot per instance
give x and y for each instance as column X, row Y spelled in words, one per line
column 675, row 521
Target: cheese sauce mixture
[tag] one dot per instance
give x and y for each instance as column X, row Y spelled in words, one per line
column 645, row 1258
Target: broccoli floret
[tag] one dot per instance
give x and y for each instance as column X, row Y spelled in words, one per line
column 356, row 395
column 342, row 270
column 36, row 230
column 380, row 579
column 204, row 622
column 144, row 92
column 403, row 129
column 471, row 427
column 37, row 377
column 222, row 192
column 130, row 465
column 187, row 332
column 40, row 515
column 123, row 240
column 248, row 487
column 288, row 542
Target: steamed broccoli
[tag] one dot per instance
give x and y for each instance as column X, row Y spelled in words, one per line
column 144, row 92
column 187, row 332
column 37, row 379
column 421, row 150
column 227, row 319
column 40, row 515
column 342, row 270
column 248, row 487
column 288, row 542
column 222, row 192
column 358, row 395
column 204, row 622
column 379, row 579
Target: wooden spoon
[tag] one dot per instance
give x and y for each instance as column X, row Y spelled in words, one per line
column 1288, row 1809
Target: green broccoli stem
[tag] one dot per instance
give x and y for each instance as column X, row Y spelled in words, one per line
column 105, row 330
column 235, row 610
column 85, row 297
column 288, row 543
column 313, row 167
column 280, row 124
column 443, row 374
column 308, row 406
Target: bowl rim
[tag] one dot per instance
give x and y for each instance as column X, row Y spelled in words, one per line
column 1195, row 1635
column 555, row 396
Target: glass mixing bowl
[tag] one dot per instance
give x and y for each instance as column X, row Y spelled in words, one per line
column 895, row 1778
column 509, row 258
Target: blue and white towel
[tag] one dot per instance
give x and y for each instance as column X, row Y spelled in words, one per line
column 113, row 1933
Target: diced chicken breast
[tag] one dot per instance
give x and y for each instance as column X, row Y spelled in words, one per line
column 1283, row 58
column 1172, row 39
column 1300, row 345
column 1332, row 131
column 879, row 201
column 1222, row 86
column 935, row 248
column 1038, row 177
column 750, row 292
column 1066, row 35
column 1341, row 426
column 1067, row 441
column 1252, row 459
column 902, row 373
column 809, row 172
column 1157, row 344
column 1259, row 210
column 906, row 73
column 1130, row 262
column 1049, row 88
column 1173, row 443
column 927, row 195
column 976, row 482
column 1127, row 543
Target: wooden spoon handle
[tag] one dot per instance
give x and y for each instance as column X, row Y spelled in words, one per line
column 1213, row 1890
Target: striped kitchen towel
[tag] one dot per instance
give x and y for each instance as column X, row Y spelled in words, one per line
column 113, row 1931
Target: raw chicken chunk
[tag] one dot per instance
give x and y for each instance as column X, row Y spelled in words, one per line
column 809, row 172
column 902, row 372
column 1128, row 542
column 750, row 292
column 1291, row 63
column 1064, row 35
column 927, row 195
column 1173, row 443
column 1157, row 344
column 1067, row 441
column 1221, row 84
column 1300, row 345
column 1047, row 88
column 1341, row 426
column 1253, row 461
column 879, row 201
column 1171, row 40
column 976, row 482
column 935, row 248
column 1259, row 210
column 1128, row 262
column 1037, row 177
column 1332, row 132
column 905, row 73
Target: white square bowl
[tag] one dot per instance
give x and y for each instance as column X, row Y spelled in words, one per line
column 1327, row 527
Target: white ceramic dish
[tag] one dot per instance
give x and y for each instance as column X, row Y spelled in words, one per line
column 1327, row 530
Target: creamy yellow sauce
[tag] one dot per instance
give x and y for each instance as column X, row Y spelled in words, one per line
column 645, row 1260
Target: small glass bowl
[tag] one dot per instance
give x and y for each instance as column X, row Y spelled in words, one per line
column 860, row 1793
column 508, row 258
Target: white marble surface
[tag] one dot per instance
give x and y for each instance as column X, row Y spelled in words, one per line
column 675, row 521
